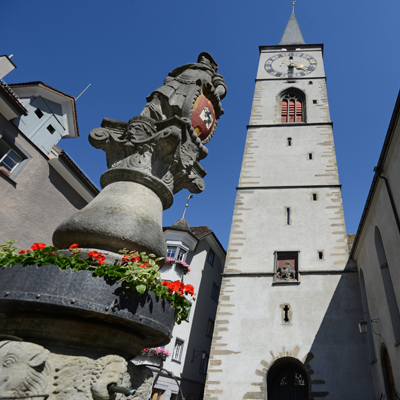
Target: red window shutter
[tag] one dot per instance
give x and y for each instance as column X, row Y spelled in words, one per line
column 299, row 111
column 291, row 111
column 284, row 111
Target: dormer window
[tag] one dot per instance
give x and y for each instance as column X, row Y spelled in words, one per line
column 171, row 252
column 177, row 252
column 182, row 254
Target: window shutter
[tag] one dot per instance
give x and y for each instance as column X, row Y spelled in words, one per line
column 291, row 111
column 299, row 111
column 284, row 111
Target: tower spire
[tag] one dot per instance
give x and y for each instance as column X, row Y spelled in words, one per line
column 292, row 34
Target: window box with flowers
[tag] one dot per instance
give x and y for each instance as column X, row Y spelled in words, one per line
column 154, row 356
column 174, row 269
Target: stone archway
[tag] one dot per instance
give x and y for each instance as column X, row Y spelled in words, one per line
column 287, row 379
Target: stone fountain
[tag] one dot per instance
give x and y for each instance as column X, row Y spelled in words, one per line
column 69, row 336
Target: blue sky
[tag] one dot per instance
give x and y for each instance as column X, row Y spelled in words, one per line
column 124, row 49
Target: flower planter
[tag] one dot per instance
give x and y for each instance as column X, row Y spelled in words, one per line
column 81, row 310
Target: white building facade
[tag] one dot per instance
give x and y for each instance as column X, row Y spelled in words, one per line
column 191, row 341
column 286, row 324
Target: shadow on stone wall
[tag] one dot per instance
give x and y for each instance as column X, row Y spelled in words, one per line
column 339, row 363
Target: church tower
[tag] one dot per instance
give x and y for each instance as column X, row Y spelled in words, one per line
column 286, row 326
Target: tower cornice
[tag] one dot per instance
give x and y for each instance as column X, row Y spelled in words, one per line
column 292, row 47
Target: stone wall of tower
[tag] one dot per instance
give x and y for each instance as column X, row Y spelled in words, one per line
column 251, row 333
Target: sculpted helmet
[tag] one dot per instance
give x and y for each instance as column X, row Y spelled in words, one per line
column 206, row 58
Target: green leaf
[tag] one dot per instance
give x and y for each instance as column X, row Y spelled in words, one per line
column 141, row 288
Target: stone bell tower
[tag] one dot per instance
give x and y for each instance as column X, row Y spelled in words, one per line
column 286, row 326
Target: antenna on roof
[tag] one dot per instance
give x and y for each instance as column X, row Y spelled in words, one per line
column 187, row 205
column 76, row 98
column 293, row 4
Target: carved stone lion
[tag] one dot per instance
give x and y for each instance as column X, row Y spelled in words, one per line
column 29, row 369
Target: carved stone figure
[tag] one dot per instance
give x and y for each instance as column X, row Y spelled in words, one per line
column 24, row 369
column 182, row 87
column 29, row 369
column 150, row 158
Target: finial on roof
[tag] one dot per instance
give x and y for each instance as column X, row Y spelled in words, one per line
column 187, row 205
column 292, row 34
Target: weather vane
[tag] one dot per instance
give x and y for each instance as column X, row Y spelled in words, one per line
column 187, row 205
column 293, row 3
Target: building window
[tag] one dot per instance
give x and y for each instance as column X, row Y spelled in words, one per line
column 310, row 156
column 388, row 375
column 171, row 252
column 12, row 157
column 204, row 364
column 287, row 212
column 182, row 255
column 39, row 113
column 292, row 106
column 211, row 257
column 215, row 292
column 314, row 196
column 51, row 128
column 320, row 255
column 289, row 141
column 157, row 394
column 178, row 348
column 286, row 267
column 174, row 396
column 314, row 101
column 210, row 328
column 388, row 285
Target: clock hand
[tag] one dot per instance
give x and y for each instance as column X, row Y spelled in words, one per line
column 293, row 64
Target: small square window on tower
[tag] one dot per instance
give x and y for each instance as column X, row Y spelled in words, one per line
column 51, row 129
column 315, row 101
column 310, row 156
column 286, row 267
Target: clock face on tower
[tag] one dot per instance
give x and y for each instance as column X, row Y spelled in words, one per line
column 290, row 65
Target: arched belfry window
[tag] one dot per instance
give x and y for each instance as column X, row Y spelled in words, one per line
column 292, row 106
column 287, row 379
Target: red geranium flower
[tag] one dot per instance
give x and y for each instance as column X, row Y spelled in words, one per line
column 101, row 259
column 93, row 254
column 144, row 265
column 189, row 289
column 22, row 252
column 38, row 246
column 73, row 246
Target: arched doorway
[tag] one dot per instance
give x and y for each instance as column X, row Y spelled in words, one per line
column 287, row 380
column 388, row 375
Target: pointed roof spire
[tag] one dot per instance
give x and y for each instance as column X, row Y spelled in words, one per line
column 292, row 34
column 181, row 225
